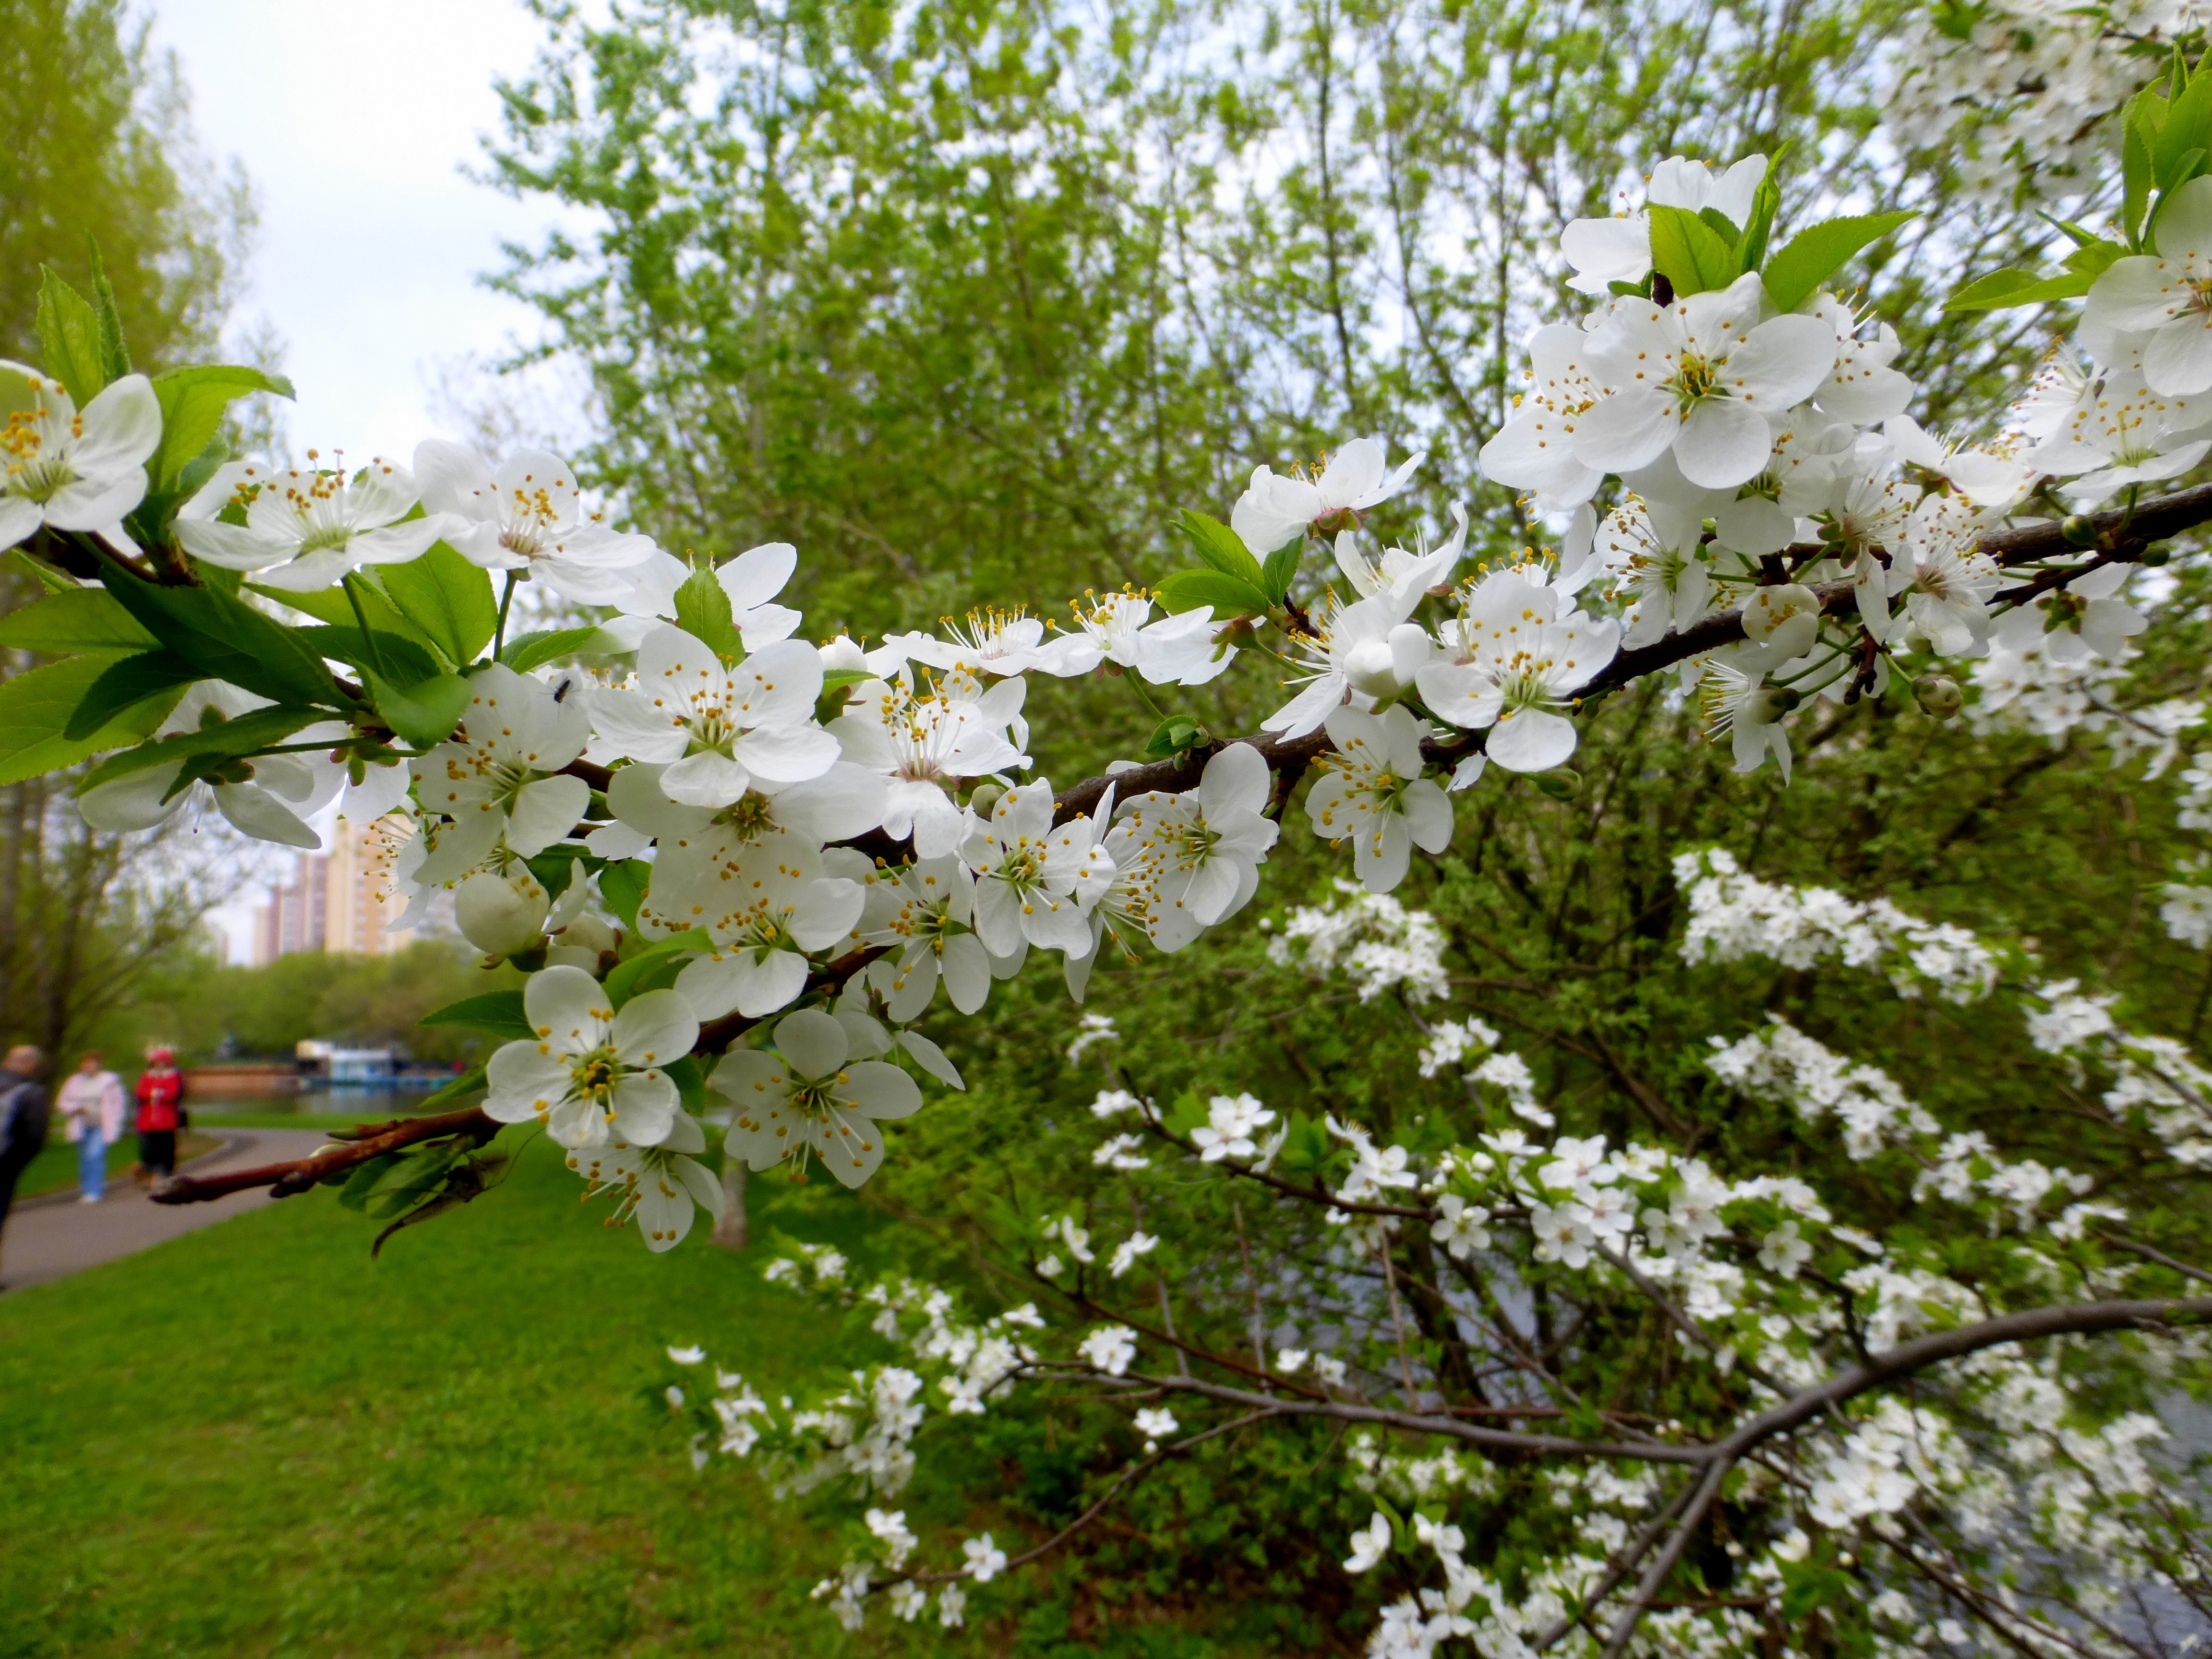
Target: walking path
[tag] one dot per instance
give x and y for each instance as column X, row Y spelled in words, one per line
column 52, row 1237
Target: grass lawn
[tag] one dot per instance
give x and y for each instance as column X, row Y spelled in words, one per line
column 55, row 1167
column 255, row 1441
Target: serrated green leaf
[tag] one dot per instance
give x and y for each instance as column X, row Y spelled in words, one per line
column 448, row 599
column 193, row 403
column 114, row 354
column 35, row 707
column 2187, row 127
column 1187, row 590
column 1722, row 226
column 1280, row 570
column 702, row 611
column 835, row 683
column 496, row 1013
column 68, row 337
column 1689, row 252
column 1173, row 735
column 407, row 662
column 1818, row 251
column 75, row 619
column 242, row 736
column 2137, row 137
column 622, row 886
column 2002, row 289
column 45, row 574
column 425, row 712
column 126, row 683
column 2095, row 259
column 534, row 650
column 1765, row 202
column 1220, row 547
column 636, row 973
column 226, row 639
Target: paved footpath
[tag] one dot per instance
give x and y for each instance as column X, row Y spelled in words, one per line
column 53, row 1235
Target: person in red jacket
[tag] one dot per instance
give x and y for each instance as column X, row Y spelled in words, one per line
column 160, row 1110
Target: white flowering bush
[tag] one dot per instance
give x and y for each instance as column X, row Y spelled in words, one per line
column 738, row 864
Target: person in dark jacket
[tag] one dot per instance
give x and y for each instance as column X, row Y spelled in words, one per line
column 161, row 1112
column 23, row 1115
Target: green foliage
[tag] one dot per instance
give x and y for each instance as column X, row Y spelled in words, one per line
column 194, row 402
column 70, row 339
column 424, row 711
column 1817, row 252
column 227, row 638
column 197, row 1005
column 447, row 599
column 101, row 155
column 73, row 620
column 1689, row 252
column 496, row 1013
column 38, row 707
column 526, row 652
column 123, row 683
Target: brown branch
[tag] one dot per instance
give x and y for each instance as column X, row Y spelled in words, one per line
column 300, row 1174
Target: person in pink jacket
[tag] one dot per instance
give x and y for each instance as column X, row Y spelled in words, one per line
column 91, row 1105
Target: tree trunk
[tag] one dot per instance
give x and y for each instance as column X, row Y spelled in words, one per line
column 730, row 1232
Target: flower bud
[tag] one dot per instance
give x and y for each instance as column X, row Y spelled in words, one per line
column 501, row 914
column 589, row 932
column 1371, row 668
column 984, row 799
column 1938, row 694
column 1787, row 618
column 842, row 653
column 1770, row 703
column 2079, row 529
column 1562, row 783
column 2156, row 554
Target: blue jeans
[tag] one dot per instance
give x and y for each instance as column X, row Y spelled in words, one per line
column 92, row 1162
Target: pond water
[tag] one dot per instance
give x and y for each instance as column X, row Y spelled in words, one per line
column 368, row 1105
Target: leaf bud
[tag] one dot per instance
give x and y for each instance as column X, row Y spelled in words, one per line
column 2079, row 529
column 1939, row 696
column 1563, row 783
column 2156, row 554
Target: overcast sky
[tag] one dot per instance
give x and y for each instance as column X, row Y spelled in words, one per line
column 355, row 123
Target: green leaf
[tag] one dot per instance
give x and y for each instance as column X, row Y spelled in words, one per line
column 2187, row 167
column 835, row 683
column 466, row 1084
column 2093, row 259
column 2137, row 137
column 2002, row 289
column 75, row 619
column 1187, row 590
column 35, row 707
column 1765, row 202
column 446, row 597
column 227, row 638
column 425, row 712
column 2187, row 128
column 124, row 683
column 1221, row 547
column 1280, row 570
column 407, row 661
column 1174, row 735
column 1690, row 253
column 1818, row 251
column 47, row 576
column 193, row 402
column 218, row 739
column 622, row 886
column 1722, row 226
column 68, row 337
column 702, row 611
column 628, row 975
column 114, row 355
column 330, row 605
column 691, row 1080
column 496, row 1013
column 534, row 650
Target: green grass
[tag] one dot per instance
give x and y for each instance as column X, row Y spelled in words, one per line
column 255, row 1441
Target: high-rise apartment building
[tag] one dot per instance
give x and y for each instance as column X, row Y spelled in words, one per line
column 332, row 902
